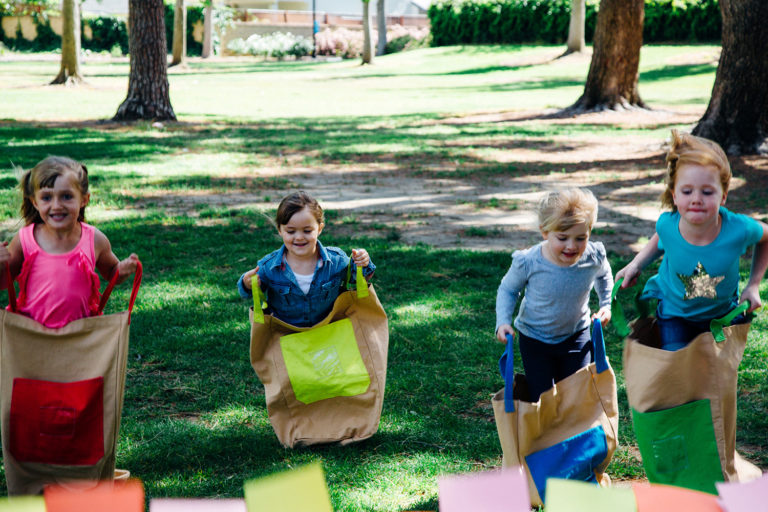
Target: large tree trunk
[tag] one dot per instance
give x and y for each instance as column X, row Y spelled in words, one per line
column 613, row 73
column 381, row 24
column 69, row 72
column 737, row 115
column 576, row 42
column 148, row 96
column 179, row 48
column 367, row 50
column 208, row 30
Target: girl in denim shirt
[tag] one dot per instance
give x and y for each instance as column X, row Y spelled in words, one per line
column 303, row 278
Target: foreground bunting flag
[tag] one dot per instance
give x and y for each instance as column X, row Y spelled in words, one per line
column 487, row 491
column 22, row 504
column 125, row 496
column 196, row 505
column 747, row 497
column 302, row 490
column 666, row 498
column 575, row 496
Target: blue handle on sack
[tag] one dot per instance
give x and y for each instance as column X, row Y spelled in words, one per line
column 507, row 362
column 598, row 347
column 507, row 369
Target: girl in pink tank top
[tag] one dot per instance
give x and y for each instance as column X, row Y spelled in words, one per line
column 54, row 257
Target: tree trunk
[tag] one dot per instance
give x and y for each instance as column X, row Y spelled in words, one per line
column 381, row 24
column 737, row 115
column 613, row 72
column 148, row 96
column 208, row 30
column 69, row 72
column 179, row 49
column 367, row 49
column 576, row 42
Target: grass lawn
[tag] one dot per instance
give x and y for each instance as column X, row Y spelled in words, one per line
column 193, row 200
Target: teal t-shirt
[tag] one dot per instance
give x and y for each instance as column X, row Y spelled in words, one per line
column 700, row 283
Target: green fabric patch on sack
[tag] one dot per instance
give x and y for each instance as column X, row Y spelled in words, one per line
column 678, row 446
column 325, row 362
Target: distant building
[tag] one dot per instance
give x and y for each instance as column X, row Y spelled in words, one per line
column 337, row 7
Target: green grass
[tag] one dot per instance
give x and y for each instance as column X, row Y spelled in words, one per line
column 435, row 80
column 194, row 420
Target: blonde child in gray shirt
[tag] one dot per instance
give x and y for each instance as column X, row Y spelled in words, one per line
column 557, row 276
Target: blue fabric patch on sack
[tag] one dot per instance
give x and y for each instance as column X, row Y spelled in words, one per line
column 575, row 459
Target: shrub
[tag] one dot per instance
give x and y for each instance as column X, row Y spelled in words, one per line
column 277, row 45
column 400, row 38
column 107, row 34
column 546, row 21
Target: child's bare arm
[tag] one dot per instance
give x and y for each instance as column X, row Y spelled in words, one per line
column 646, row 255
column 10, row 254
column 107, row 263
column 759, row 265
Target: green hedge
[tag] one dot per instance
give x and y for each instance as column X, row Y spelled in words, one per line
column 108, row 34
column 546, row 21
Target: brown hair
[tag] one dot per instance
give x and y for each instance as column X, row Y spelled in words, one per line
column 561, row 210
column 44, row 175
column 687, row 149
column 296, row 202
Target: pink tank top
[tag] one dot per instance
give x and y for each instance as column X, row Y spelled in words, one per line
column 55, row 289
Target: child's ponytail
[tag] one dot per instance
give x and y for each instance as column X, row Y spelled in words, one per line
column 28, row 211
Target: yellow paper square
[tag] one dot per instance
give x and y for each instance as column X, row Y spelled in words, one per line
column 22, row 504
column 302, row 489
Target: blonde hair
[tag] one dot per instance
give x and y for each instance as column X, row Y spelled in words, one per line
column 561, row 210
column 687, row 149
column 44, row 175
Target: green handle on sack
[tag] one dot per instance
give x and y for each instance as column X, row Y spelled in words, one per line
column 618, row 319
column 716, row 325
column 259, row 301
column 361, row 284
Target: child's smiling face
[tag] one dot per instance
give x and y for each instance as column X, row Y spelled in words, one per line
column 698, row 194
column 564, row 248
column 59, row 206
column 300, row 234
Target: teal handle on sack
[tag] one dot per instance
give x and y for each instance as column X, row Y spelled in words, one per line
column 716, row 325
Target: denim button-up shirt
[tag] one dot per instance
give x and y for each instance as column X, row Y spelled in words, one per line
column 286, row 299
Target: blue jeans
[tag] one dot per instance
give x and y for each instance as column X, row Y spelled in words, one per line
column 676, row 332
column 547, row 363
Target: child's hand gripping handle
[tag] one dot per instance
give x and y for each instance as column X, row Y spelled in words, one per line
column 11, row 289
column 134, row 291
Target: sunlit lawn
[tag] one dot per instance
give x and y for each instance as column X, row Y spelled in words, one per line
column 436, row 80
column 194, row 420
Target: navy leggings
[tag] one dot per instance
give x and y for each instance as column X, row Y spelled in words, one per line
column 547, row 363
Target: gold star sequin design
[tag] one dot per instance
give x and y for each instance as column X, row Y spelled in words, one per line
column 700, row 283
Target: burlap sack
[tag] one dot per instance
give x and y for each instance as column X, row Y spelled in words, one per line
column 343, row 419
column 573, row 427
column 704, row 370
column 61, row 397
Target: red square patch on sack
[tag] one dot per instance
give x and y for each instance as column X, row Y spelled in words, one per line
column 57, row 422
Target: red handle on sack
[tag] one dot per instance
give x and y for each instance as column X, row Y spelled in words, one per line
column 134, row 291
column 11, row 289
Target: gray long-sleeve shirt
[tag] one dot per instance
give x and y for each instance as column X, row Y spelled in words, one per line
column 556, row 301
